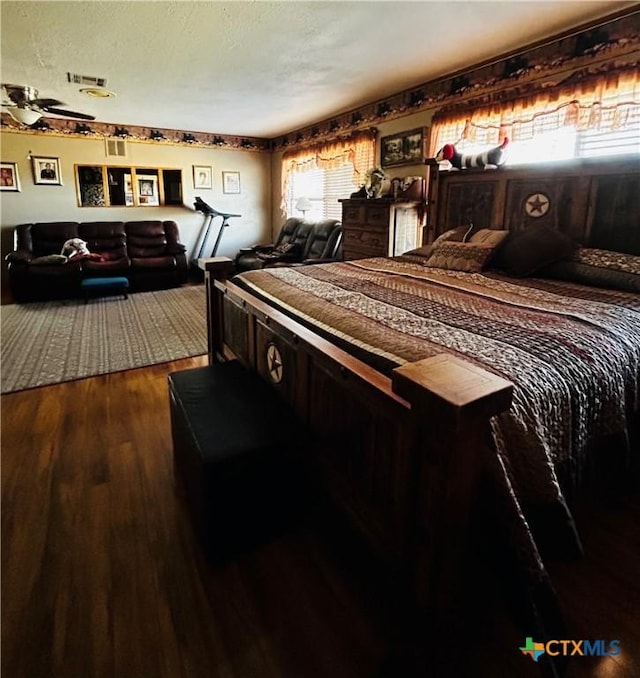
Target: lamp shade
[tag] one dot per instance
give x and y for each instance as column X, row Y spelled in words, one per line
column 25, row 116
column 303, row 204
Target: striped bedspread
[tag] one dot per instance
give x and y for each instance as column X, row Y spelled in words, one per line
column 573, row 352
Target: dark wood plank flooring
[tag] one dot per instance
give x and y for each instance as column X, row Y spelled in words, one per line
column 102, row 577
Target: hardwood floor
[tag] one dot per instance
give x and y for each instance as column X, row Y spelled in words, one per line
column 102, row 577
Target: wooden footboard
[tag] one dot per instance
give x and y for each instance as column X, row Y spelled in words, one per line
column 401, row 456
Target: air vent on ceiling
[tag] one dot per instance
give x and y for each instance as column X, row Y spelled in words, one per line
column 116, row 148
column 86, row 80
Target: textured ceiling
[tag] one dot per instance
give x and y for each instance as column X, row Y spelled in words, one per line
column 259, row 68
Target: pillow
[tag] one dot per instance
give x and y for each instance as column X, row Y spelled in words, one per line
column 606, row 259
column 598, row 268
column 528, row 251
column 460, row 256
column 488, row 236
column 49, row 259
column 452, row 235
column 424, row 251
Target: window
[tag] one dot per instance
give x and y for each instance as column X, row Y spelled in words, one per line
column 323, row 188
column 325, row 173
column 594, row 118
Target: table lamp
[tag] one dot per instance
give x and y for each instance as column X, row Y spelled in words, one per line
column 304, row 205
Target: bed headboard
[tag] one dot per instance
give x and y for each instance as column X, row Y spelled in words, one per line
column 596, row 202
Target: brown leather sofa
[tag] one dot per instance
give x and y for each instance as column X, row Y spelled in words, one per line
column 298, row 242
column 148, row 253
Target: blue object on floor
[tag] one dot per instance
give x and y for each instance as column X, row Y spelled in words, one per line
column 100, row 287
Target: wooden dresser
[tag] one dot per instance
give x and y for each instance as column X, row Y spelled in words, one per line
column 379, row 227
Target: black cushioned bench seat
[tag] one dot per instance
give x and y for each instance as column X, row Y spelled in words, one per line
column 238, row 450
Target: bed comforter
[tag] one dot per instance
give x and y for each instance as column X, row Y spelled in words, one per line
column 572, row 352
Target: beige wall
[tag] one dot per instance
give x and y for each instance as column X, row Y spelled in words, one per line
column 259, row 201
column 55, row 203
column 402, row 124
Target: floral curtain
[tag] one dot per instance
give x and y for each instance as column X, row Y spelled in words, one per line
column 607, row 103
column 358, row 149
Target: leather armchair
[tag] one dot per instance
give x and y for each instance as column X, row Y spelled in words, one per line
column 298, row 242
column 246, row 259
column 325, row 243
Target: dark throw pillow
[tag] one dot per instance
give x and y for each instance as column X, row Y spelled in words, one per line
column 526, row 252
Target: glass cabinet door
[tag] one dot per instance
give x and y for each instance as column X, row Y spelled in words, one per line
column 91, row 186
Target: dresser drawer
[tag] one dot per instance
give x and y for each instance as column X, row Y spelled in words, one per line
column 376, row 215
column 376, row 241
column 353, row 214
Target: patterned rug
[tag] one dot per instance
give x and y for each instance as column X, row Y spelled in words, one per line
column 51, row 342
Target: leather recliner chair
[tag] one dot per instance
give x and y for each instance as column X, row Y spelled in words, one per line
column 325, row 243
column 157, row 256
column 107, row 239
column 44, row 279
column 299, row 242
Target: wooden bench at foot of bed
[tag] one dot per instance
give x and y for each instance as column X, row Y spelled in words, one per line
column 400, row 456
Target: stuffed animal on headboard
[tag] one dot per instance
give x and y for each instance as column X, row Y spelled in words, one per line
column 493, row 157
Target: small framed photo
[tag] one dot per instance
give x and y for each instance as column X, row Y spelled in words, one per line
column 202, row 176
column 406, row 148
column 46, row 171
column 9, row 179
column 128, row 190
column 231, row 182
column 147, row 189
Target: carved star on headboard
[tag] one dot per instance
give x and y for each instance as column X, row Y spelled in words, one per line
column 537, row 205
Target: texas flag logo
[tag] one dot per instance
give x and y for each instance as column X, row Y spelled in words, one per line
column 534, row 650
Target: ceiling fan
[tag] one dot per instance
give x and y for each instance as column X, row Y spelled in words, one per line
column 24, row 106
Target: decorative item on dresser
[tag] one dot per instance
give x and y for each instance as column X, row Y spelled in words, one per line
column 380, row 228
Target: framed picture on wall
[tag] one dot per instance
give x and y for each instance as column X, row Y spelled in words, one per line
column 128, row 190
column 202, row 176
column 147, row 189
column 405, row 148
column 46, row 171
column 231, row 182
column 9, row 179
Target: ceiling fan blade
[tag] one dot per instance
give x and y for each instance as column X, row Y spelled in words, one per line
column 43, row 103
column 68, row 114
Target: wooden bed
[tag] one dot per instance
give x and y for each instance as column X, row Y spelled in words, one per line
column 402, row 449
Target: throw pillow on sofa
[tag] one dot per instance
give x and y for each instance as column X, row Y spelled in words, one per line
column 49, row 259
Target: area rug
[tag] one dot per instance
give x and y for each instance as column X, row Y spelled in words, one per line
column 51, row 342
